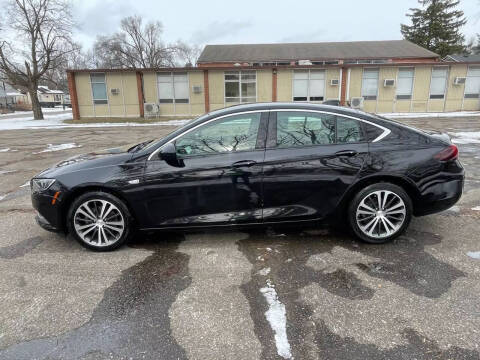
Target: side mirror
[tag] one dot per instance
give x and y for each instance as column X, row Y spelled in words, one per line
column 169, row 155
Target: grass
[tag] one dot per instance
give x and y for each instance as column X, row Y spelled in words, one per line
column 120, row 120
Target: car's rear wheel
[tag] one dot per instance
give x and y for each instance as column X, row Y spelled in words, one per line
column 380, row 213
column 99, row 221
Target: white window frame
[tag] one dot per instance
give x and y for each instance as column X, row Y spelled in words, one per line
column 240, row 81
column 104, row 82
column 172, row 84
column 370, row 97
column 410, row 95
column 475, row 77
column 438, row 96
column 309, row 71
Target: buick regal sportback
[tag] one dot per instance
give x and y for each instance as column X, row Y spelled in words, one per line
column 265, row 164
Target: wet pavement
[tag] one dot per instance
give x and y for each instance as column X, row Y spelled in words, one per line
column 234, row 295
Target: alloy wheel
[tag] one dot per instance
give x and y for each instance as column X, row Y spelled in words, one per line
column 381, row 214
column 99, row 222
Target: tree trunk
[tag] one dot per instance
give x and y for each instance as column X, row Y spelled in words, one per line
column 37, row 109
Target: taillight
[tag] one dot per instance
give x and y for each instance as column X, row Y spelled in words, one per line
column 447, row 154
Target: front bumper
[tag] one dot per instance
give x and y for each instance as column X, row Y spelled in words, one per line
column 49, row 212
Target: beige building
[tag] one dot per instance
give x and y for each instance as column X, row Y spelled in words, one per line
column 377, row 76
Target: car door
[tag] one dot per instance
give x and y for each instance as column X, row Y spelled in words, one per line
column 218, row 179
column 310, row 161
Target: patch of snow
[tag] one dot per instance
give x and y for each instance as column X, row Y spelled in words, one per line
column 4, row 150
column 56, row 121
column 26, row 184
column 3, row 172
column 474, row 254
column 476, row 208
column 51, row 147
column 44, row 110
column 430, row 114
column 454, row 208
column 2, row 197
column 466, row 137
column 264, row 271
column 276, row 316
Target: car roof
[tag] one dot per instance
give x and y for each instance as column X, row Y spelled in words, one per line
column 283, row 105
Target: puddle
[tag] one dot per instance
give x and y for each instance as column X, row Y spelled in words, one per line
column 21, row 248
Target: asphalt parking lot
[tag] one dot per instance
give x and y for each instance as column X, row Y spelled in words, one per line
column 234, row 295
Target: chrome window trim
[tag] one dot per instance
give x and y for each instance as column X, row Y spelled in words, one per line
column 385, row 133
column 203, row 123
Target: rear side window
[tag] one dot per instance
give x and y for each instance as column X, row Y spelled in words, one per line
column 348, row 130
column 302, row 129
column 296, row 129
column 372, row 132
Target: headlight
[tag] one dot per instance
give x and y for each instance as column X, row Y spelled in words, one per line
column 39, row 185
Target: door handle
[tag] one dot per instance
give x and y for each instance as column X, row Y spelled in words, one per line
column 243, row 163
column 347, row 153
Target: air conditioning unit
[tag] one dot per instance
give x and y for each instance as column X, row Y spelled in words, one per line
column 334, row 82
column 389, row 82
column 151, row 109
column 356, row 103
column 459, row 80
column 197, row 89
column 115, row 91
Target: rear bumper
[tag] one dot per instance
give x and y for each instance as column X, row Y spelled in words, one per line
column 439, row 196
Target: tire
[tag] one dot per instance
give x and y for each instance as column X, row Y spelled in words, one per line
column 380, row 225
column 97, row 231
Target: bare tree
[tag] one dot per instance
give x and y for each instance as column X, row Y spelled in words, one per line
column 42, row 31
column 136, row 45
column 188, row 54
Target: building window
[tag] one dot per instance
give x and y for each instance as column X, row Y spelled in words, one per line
column 472, row 85
column 370, row 84
column 439, row 82
column 405, row 83
column 99, row 88
column 172, row 88
column 240, row 86
column 308, row 85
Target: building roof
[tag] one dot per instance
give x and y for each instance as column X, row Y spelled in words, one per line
column 314, row 51
column 45, row 90
column 463, row 58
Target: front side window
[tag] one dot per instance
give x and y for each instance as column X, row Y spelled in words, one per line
column 173, row 88
column 230, row 134
column 308, row 85
column 240, row 86
column 472, row 85
column 438, row 83
column 99, row 88
column 370, row 84
column 297, row 129
column 405, row 83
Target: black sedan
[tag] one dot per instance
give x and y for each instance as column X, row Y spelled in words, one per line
column 266, row 164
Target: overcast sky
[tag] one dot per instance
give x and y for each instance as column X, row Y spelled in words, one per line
column 259, row 21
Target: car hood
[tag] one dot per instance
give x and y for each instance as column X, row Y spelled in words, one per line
column 102, row 158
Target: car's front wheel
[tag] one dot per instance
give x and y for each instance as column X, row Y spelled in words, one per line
column 380, row 213
column 99, row 221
